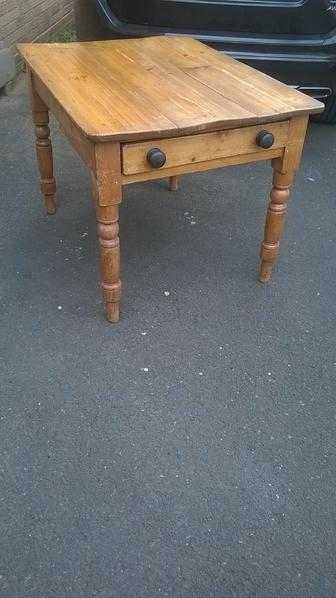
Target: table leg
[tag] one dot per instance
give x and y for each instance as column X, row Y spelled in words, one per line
column 275, row 221
column 283, row 174
column 108, row 228
column 173, row 183
column 44, row 151
column 108, row 192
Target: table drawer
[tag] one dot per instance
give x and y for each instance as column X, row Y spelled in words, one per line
column 203, row 147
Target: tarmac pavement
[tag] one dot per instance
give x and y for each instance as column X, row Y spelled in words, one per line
column 188, row 451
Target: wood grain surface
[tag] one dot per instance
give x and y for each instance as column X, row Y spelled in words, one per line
column 201, row 147
column 158, row 87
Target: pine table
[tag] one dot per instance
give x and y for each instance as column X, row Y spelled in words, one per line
column 141, row 109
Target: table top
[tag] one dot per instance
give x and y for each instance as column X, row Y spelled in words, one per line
column 158, row 87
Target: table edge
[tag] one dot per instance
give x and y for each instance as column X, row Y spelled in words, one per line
column 124, row 137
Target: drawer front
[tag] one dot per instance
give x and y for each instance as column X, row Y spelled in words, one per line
column 204, row 147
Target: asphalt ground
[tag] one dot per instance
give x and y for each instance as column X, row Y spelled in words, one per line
column 188, row 451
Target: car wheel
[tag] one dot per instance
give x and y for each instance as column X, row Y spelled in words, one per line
column 89, row 26
column 329, row 114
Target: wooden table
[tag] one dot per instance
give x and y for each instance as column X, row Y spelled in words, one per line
column 157, row 107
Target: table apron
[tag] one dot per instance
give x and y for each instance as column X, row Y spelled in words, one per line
column 194, row 150
column 203, row 166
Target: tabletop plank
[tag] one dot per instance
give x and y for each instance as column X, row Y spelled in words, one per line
column 158, row 87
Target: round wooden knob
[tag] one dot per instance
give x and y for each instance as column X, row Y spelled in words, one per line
column 265, row 139
column 156, row 158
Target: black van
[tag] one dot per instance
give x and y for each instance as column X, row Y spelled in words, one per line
column 292, row 40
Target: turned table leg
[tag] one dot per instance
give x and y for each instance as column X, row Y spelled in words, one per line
column 107, row 194
column 44, row 150
column 108, row 228
column 173, row 183
column 275, row 221
column 283, row 174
